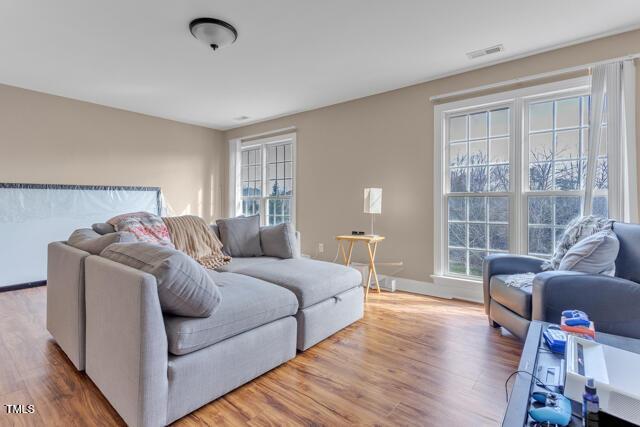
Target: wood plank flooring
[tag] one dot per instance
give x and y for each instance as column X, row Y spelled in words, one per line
column 412, row 360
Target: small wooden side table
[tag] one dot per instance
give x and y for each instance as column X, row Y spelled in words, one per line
column 372, row 247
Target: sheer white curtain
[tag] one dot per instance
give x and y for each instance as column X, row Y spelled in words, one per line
column 629, row 207
column 616, row 82
column 234, row 202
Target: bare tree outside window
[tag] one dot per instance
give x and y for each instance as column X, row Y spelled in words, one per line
column 558, row 139
column 479, row 164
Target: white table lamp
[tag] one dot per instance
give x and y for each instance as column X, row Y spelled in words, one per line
column 373, row 203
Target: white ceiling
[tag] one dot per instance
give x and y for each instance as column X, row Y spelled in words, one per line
column 290, row 56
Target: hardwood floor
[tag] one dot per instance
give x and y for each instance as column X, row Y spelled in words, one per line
column 412, row 360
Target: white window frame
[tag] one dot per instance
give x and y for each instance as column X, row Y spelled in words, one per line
column 526, row 193
column 519, row 171
column 236, row 146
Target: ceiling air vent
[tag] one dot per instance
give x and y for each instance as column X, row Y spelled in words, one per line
column 487, row 51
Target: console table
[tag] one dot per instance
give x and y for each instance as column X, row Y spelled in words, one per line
column 536, row 356
column 372, row 246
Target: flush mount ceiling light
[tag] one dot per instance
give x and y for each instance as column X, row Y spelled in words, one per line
column 213, row 32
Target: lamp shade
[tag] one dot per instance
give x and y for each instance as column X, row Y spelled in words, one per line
column 373, row 200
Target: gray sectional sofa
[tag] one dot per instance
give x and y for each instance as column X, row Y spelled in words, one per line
column 154, row 368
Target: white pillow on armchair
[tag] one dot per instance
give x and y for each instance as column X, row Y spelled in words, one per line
column 595, row 254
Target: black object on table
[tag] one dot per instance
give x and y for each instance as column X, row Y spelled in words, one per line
column 540, row 361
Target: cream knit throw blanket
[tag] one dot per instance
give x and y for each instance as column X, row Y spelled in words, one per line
column 192, row 235
column 576, row 230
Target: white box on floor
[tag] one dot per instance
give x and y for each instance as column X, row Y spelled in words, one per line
column 364, row 271
column 386, row 283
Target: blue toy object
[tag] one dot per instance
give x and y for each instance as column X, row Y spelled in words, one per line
column 575, row 318
column 557, row 409
column 555, row 339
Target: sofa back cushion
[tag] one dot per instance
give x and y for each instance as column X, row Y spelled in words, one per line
column 184, row 286
column 595, row 254
column 240, row 236
column 279, row 241
column 88, row 240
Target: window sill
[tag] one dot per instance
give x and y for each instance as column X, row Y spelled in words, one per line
column 442, row 280
column 458, row 287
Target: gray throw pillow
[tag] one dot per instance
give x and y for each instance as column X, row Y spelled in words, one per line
column 184, row 286
column 595, row 254
column 89, row 241
column 240, row 236
column 103, row 228
column 279, row 241
column 576, row 230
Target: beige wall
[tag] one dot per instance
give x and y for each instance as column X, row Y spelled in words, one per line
column 54, row 140
column 386, row 140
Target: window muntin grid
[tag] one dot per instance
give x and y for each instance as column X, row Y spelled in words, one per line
column 478, row 147
column 267, row 181
column 557, row 139
column 477, row 226
column 558, row 135
column 279, row 183
column 251, row 180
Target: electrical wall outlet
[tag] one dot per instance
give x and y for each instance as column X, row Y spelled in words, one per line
column 320, row 248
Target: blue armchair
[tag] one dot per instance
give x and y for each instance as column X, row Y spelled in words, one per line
column 613, row 303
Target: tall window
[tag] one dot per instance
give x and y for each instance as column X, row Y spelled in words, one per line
column 251, row 180
column 267, row 179
column 479, row 182
column 557, row 134
column 510, row 173
column 279, row 191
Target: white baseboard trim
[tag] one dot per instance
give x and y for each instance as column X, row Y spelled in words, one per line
column 464, row 291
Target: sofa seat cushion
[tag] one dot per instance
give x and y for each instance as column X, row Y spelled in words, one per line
column 246, row 304
column 515, row 299
column 310, row 280
column 240, row 263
